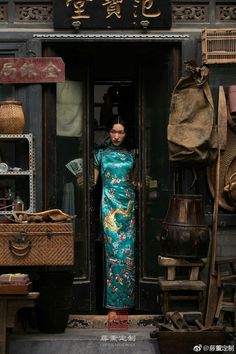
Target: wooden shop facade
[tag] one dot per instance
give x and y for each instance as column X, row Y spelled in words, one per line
column 100, row 57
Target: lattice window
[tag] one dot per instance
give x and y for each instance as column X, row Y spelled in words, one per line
column 3, row 12
column 226, row 13
column 187, row 13
column 33, row 12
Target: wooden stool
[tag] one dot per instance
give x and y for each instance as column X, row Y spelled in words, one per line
column 226, row 304
column 226, row 269
column 170, row 284
column 9, row 305
column 226, row 280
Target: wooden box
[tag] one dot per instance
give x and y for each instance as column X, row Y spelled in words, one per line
column 13, row 289
column 36, row 244
column 189, row 342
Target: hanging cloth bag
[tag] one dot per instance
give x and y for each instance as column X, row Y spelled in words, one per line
column 192, row 134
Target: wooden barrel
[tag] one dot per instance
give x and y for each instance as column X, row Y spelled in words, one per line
column 184, row 231
column 12, row 120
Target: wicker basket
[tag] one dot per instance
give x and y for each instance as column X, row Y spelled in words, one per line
column 12, row 120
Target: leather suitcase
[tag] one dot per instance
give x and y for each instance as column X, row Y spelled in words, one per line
column 32, row 244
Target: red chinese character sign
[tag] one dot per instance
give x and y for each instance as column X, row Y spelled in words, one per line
column 123, row 14
column 31, row 70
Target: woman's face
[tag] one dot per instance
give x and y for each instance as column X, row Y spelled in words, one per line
column 117, row 134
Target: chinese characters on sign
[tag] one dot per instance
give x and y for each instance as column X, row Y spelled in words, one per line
column 113, row 7
column 31, row 70
column 112, row 13
column 78, row 9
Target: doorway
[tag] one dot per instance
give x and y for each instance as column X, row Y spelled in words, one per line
column 135, row 79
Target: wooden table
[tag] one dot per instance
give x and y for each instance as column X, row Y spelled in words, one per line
column 9, row 305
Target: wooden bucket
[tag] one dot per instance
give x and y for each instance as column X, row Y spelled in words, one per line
column 184, row 232
column 12, row 120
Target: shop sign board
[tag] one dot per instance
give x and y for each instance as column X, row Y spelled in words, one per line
column 31, row 70
column 117, row 14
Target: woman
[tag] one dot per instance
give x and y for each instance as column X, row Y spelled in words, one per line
column 115, row 163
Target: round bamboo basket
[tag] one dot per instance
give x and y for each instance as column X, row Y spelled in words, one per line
column 12, row 120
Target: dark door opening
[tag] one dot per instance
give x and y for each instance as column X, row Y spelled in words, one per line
column 135, row 79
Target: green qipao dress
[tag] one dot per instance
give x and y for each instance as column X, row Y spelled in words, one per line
column 118, row 221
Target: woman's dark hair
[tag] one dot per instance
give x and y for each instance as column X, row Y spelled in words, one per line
column 116, row 119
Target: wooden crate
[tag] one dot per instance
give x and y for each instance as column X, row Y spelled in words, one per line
column 184, row 342
column 38, row 244
column 219, row 46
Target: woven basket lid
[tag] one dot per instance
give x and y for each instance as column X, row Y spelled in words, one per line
column 11, row 102
column 227, row 159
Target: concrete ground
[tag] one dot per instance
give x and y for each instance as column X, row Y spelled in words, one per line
column 85, row 341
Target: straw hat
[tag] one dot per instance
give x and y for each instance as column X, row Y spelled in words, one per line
column 227, row 182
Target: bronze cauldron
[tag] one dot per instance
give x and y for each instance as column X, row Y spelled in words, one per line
column 184, row 231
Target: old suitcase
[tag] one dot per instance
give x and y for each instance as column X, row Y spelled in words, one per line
column 38, row 244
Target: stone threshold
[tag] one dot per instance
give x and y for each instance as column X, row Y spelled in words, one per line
column 101, row 321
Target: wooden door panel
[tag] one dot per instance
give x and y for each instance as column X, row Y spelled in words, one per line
column 156, row 83
column 67, row 186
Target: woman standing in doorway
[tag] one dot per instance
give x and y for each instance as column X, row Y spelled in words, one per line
column 115, row 162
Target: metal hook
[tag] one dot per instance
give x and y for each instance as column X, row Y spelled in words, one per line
column 76, row 25
column 145, row 24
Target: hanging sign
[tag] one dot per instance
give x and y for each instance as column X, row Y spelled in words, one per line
column 117, row 14
column 31, row 70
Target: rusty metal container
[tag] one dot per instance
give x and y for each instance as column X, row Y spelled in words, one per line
column 184, row 231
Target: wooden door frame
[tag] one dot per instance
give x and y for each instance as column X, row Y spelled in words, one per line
column 85, row 286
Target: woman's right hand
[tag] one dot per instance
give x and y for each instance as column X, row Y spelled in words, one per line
column 80, row 180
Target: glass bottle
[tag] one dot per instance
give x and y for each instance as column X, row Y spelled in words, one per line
column 18, row 204
column 10, row 197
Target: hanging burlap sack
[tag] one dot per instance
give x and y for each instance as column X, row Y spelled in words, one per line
column 192, row 134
